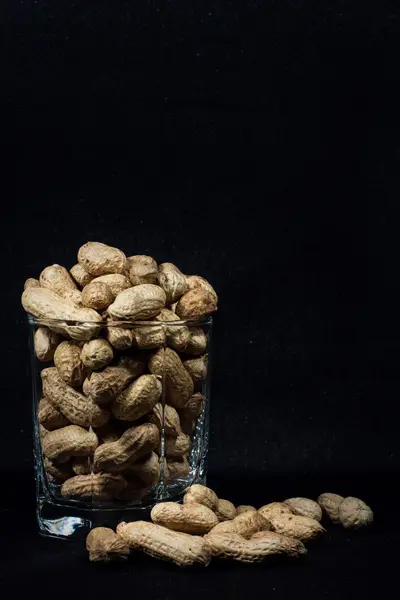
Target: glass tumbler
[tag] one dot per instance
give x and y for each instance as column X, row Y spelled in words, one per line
column 120, row 415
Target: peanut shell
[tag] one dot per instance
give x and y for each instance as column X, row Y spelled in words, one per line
column 99, row 259
column 100, row 486
column 304, row 507
column 134, row 443
column 179, row 384
column 138, row 399
column 45, row 343
column 69, row 441
column 96, row 354
column 97, row 295
column 104, row 545
column 67, row 359
column 354, row 513
column 330, row 504
column 188, row 518
column 172, row 281
column 296, row 526
column 139, row 302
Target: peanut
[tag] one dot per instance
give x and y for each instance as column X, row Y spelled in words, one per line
column 169, row 416
column 147, row 469
column 81, row 276
column 96, row 354
column 105, row 385
column 76, row 407
column 81, row 465
column 160, row 542
column 354, row 513
column 172, row 281
column 69, row 441
column 179, row 384
column 121, row 339
column 57, row 472
column 246, row 525
column 197, row 342
column 134, row 443
column 50, row 417
column 177, row 468
column 195, row 304
column 234, row 547
column 296, row 526
column 274, row 508
column 242, row 508
column 177, row 446
column 47, row 305
column 147, row 338
column 58, row 280
column 197, row 368
column 142, row 269
column 195, row 282
column 99, row 259
column 193, row 407
column 178, row 336
column 304, row 507
column 97, row 295
column 138, row 399
column 31, row 282
column 104, row 545
column 330, row 504
column 188, row 518
column 139, row 302
column 115, row 282
column 225, row 510
column 201, row 494
column 45, row 343
column 67, row 359
column 101, row 486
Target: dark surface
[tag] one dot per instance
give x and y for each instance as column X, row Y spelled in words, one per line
column 256, row 145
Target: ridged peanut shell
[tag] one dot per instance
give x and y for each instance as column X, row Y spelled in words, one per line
column 232, row 546
column 45, row 343
column 177, row 445
column 354, row 513
column 245, row 525
column 100, row 486
column 172, row 281
column 274, row 508
column 197, row 342
column 304, row 507
column 105, row 385
column 330, row 504
column 76, row 407
column 193, row 407
column 187, row 518
column 296, row 526
column 104, row 545
column 147, row 469
column 134, row 443
column 166, row 361
column 115, row 282
column 195, row 282
column 49, row 416
column 157, row 541
column 197, row 368
column 57, row 279
column 142, row 269
column 201, row 494
column 81, row 276
column 138, row 399
column 55, row 471
column 138, row 302
column 225, row 510
column 172, row 426
column 178, row 468
column 31, row 282
column 97, row 295
column 99, row 259
column 67, row 359
column 177, row 335
column 242, row 508
column 148, row 337
column 96, row 354
column 69, row 441
column 195, row 304
column 119, row 338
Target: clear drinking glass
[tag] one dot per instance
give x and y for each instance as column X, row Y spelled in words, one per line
column 110, row 442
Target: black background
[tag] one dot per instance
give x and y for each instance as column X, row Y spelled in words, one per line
column 257, row 145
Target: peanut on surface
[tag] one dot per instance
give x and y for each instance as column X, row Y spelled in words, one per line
column 246, row 524
column 201, row 494
column 354, row 513
column 242, row 508
column 330, row 504
column 304, row 507
column 97, row 295
column 189, row 518
column 296, row 526
column 103, row 544
column 96, row 354
column 232, row 546
column 99, row 259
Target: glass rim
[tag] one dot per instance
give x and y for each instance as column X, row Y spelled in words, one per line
column 44, row 321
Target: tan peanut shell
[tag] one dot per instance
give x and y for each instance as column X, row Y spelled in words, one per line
column 304, row 507
column 142, row 269
column 45, row 304
column 115, row 282
column 187, row 518
column 177, row 445
column 147, row 469
column 172, row 426
column 195, row 282
column 57, row 279
column 139, row 302
column 96, row 354
column 45, row 343
column 179, row 384
column 49, row 416
column 242, row 508
column 195, row 304
column 118, row 337
column 105, row 385
column 81, row 276
column 101, row 486
column 354, row 513
column 76, row 407
column 81, row 465
column 180, row 548
column 97, row 295
column 148, row 337
column 296, row 526
column 201, row 494
column 246, row 525
column 104, row 545
column 67, row 359
column 197, row 342
column 225, row 510
column 55, row 471
column 69, row 441
column 134, row 443
column 330, row 504
column 31, row 282
column 197, row 368
column 99, row 259
column 138, row 399
column 177, row 335
column 193, row 407
column 274, row 508
column 232, row 546
column 172, row 281
column 177, row 468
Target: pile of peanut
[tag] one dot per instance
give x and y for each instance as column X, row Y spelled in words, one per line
column 205, row 526
column 117, row 330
